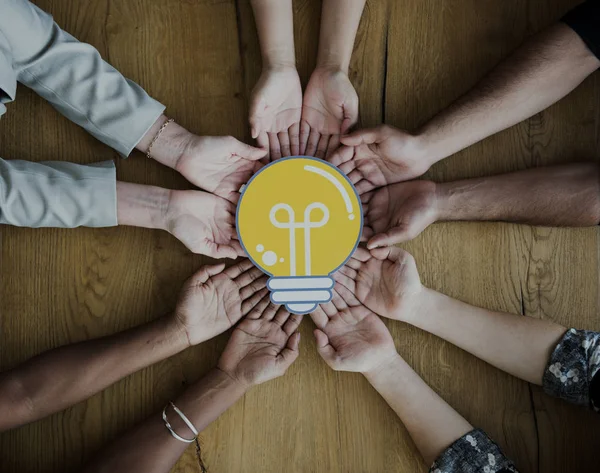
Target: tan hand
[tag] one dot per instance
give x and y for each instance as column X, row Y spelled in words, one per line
column 263, row 345
column 380, row 156
column 398, row 212
column 385, row 280
column 214, row 299
column 349, row 336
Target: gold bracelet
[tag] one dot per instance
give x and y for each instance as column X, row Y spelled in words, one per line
column 162, row 128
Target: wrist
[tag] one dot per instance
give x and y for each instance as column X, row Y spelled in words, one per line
column 455, row 200
column 386, row 369
column 330, row 68
column 170, row 144
column 142, row 206
column 231, row 381
column 174, row 333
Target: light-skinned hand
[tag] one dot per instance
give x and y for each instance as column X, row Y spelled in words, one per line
column 275, row 111
column 215, row 298
column 203, row 222
column 380, row 156
column 398, row 212
column 385, row 280
column 263, row 346
column 351, row 337
column 329, row 109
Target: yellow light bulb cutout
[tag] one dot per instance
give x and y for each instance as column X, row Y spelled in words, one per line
column 299, row 219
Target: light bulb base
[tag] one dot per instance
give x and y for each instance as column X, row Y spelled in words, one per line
column 300, row 294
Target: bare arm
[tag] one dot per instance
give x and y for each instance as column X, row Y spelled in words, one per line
column 275, row 25
column 542, row 71
column 339, row 24
column 555, row 196
column 150, row 447
column 516, row 344
column 431, row 422
column 64, row 376
column 261, row 348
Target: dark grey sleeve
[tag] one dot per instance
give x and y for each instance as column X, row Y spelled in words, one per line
column 475, row 452
column 573, row 369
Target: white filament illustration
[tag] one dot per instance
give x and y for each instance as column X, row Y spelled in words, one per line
column 307, row 224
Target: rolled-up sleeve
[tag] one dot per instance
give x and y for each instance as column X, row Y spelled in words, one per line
column 57, row 194
column 573, row 371
column 474, row 452
column 73, row 77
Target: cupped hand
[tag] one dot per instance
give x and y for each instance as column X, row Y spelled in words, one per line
column 399, row 212
column 349, row 336
column 263, row 346
column 329, row 109
column 385, row 280
column 214, row 299
column 204, row 223
column 219, row 164
column 275, row 111
column 380, row 156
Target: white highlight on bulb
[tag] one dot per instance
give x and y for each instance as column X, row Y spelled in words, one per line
column 269, row 258
column 335, row 181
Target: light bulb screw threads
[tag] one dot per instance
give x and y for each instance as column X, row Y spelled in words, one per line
column 300, row 294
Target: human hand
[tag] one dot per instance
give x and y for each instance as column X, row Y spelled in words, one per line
column 263, row 345
column 215, row 298
column 350, row 337
column 219, row 164
column 275, row 110
column 385, row 280
column 329, row 109
column 399, row 212
column 380, row 156
column 203, row 222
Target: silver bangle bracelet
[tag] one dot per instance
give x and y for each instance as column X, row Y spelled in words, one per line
column 184, row 419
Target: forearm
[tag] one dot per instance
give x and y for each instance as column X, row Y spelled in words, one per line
column 141, row 206
column 516, row 344
column 150, row 447
column 431, row 422
column 542, row 71
column 566, row 195
column 275, row 26
column 64, row 376
column 339, row 24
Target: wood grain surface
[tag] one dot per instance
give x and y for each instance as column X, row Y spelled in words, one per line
column 201, row 58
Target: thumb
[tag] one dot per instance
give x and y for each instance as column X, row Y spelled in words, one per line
column 290, row 351
column 350, row 114
column 391, row 237
column 324, row 348
column 367, row 136
column 246, row 151
column 205, row 272
column 392, row 253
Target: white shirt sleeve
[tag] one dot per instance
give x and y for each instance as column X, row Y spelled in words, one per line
column 73, row 77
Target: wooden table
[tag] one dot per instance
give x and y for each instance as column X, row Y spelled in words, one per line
column 201, row 58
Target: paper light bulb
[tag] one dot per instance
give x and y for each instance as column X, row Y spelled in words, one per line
column 299, row 219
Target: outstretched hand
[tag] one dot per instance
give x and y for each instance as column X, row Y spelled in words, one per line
column 398, row 212
column 263, row 346
column 204, row 223
column 380, row 156
column 219, row 164
column 385, row 280
column 350, row 337
column 275, row 110
column 329, row 109
column 214, row 299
